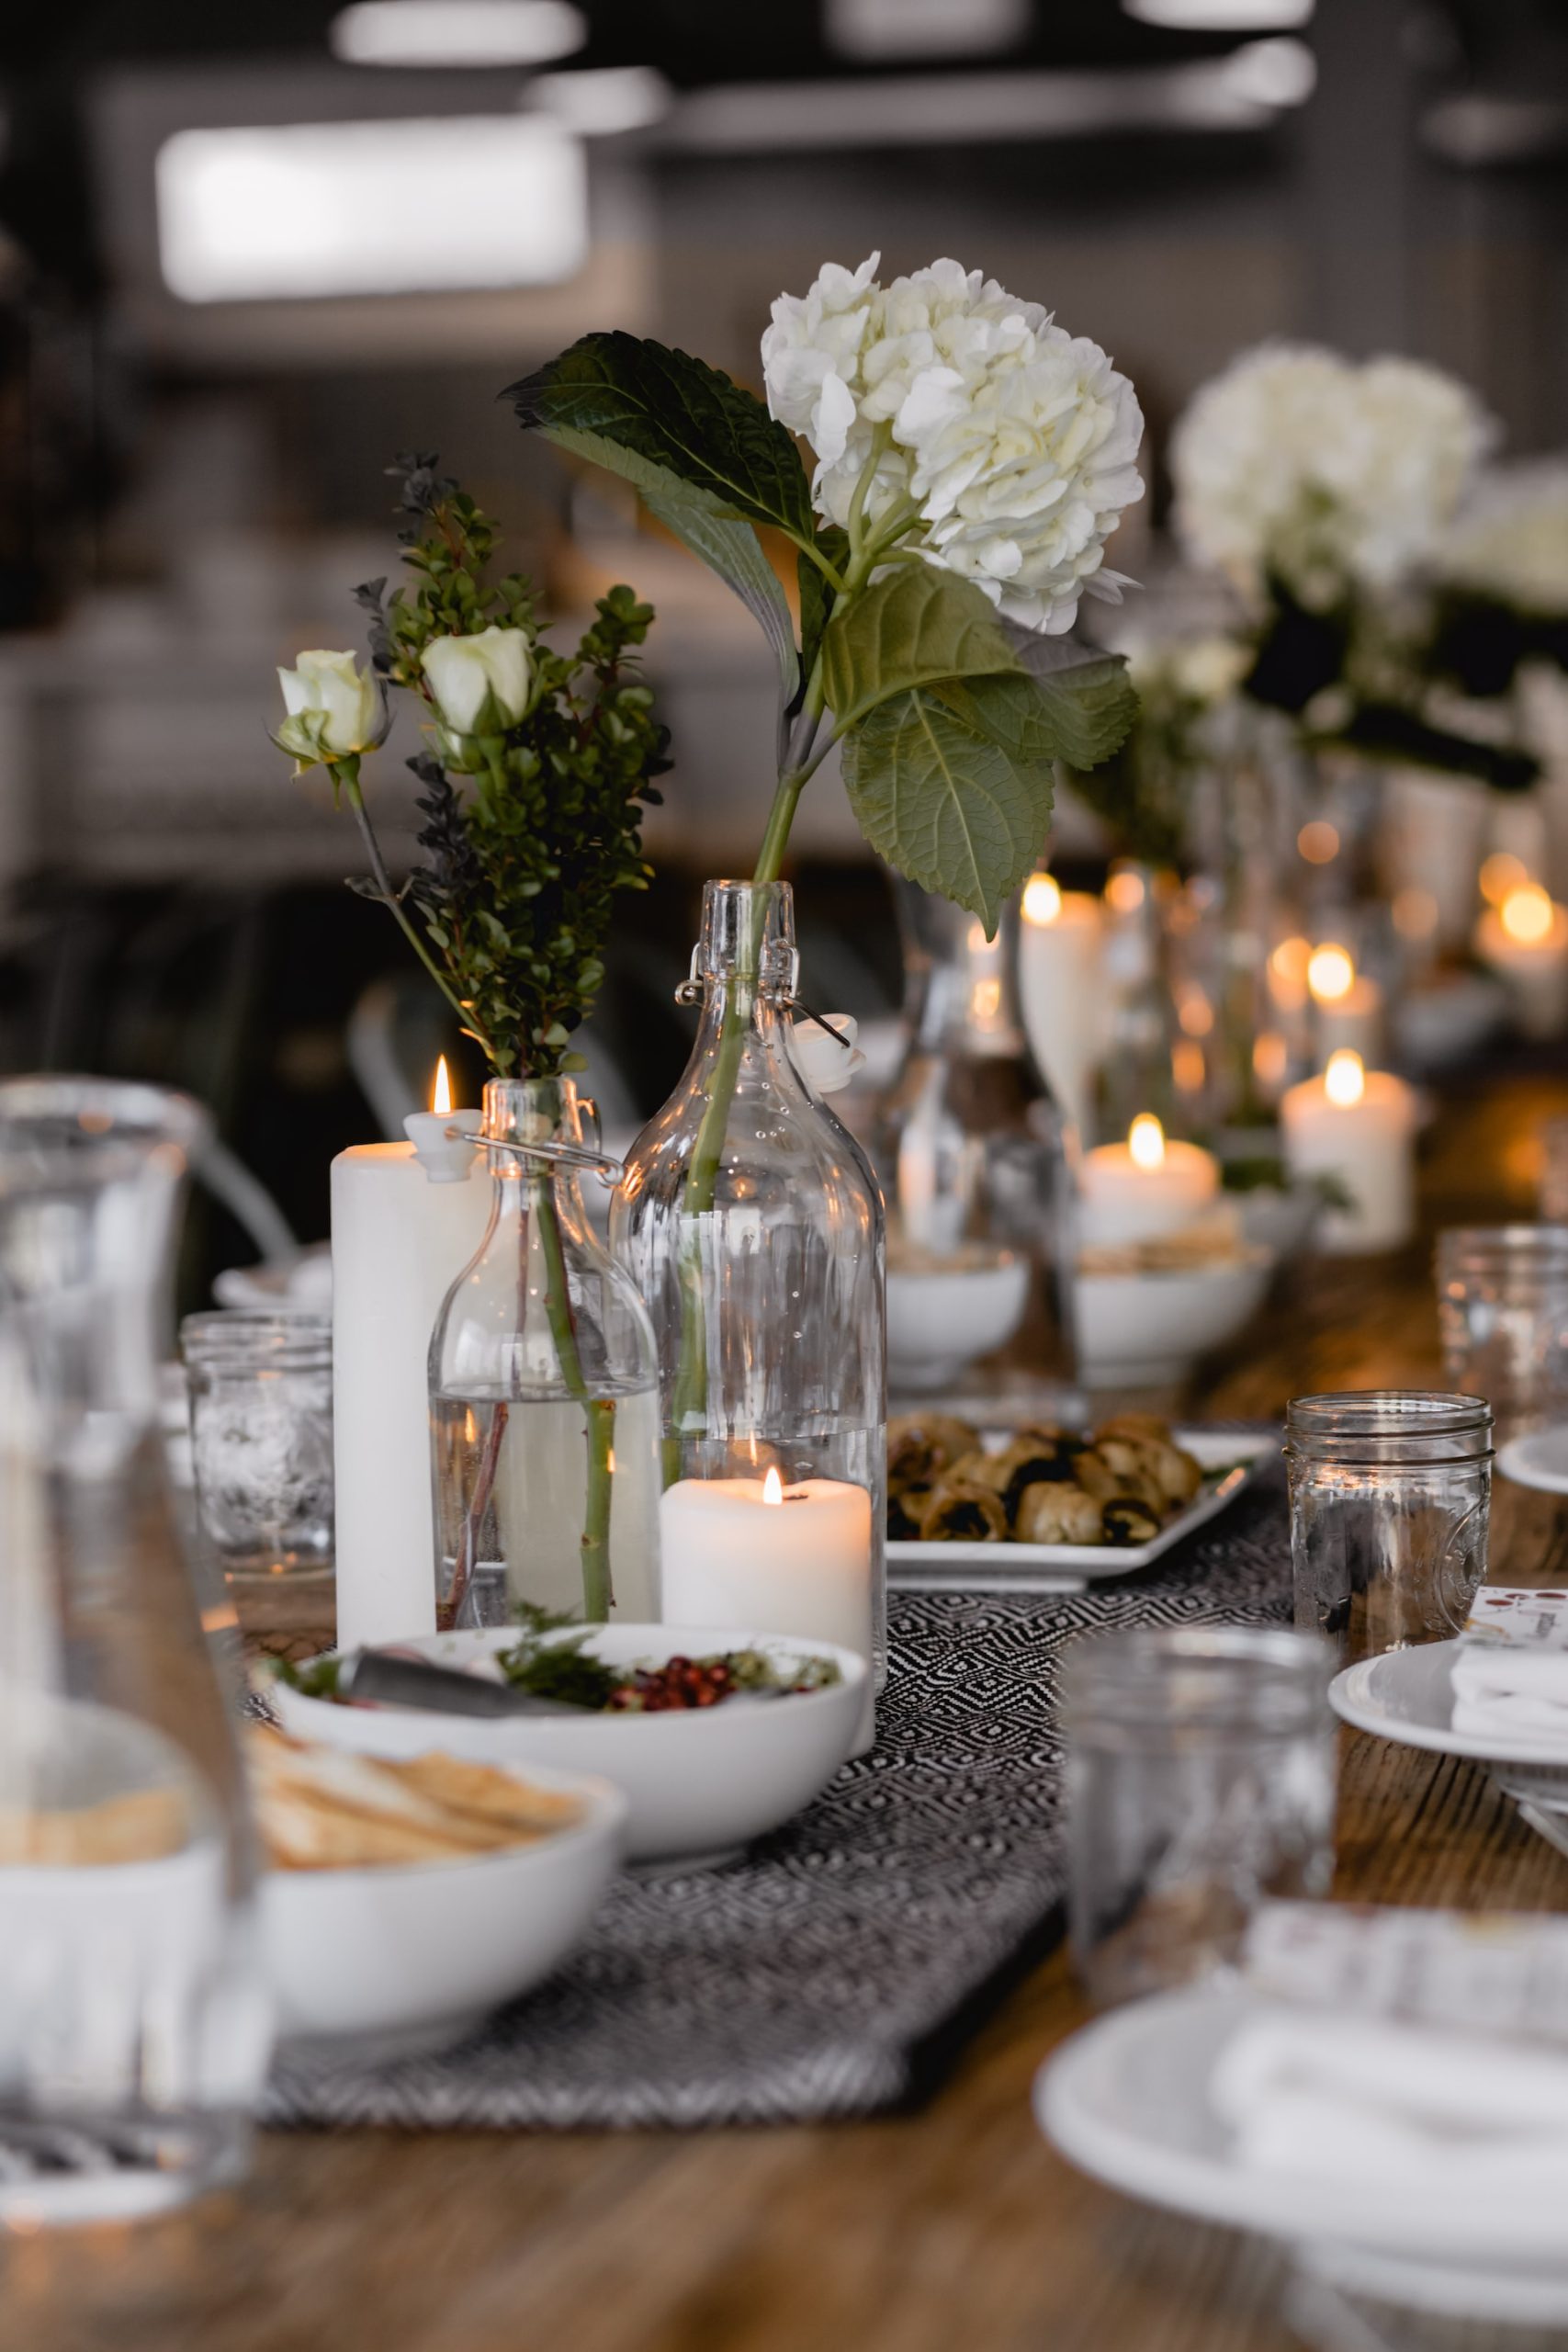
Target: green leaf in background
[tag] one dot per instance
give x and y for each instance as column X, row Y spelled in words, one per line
column 1079, row 708
column 633, row 406
column 911, row 627
column 733, row 550
column 944, row 805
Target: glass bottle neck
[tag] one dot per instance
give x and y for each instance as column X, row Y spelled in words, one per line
column 537, row 1135
column 744, row 965
column 961, row 989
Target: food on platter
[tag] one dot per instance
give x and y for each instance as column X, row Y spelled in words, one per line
column 1118, row 1485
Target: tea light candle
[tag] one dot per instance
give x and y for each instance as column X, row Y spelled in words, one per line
column 400, row 1240
column 1525, row 940
column 1347, row 1008
column 1058, row 958
column 1138, row 1190
column 1358, row 1125
column 754, row 1553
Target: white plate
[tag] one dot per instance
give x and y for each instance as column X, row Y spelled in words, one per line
column 700, row 1782
column 388, row 1962
column 1066, row 1568
column 1539, row 1458
column 1407, row 1695
column 1127, row 2100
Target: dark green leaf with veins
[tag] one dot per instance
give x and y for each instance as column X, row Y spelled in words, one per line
column 1079, row 711
column 912, row 628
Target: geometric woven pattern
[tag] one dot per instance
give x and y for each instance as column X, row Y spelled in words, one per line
column 839, row 1967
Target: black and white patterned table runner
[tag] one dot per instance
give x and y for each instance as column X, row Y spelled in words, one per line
column 839, row 1967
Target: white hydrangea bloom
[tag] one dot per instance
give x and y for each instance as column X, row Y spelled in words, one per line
column 1014, row 443
column 1322, row 471
column 1510, row 541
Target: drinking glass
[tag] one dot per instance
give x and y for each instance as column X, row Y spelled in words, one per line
column 1391, row 1491
column 261, row 1423
column 1200, row 1781
column 134, row 2023
column 1503, row 1309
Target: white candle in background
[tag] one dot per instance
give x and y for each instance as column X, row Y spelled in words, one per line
column 1347, row 1008
column 1358, row 1127
column 1143, row 1188
column 1525, row 940
column 1059, row 966
column 400, row 1240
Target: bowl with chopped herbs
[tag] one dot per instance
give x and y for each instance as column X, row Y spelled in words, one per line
column 713, row 1734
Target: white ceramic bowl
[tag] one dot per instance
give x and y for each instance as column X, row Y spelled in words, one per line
column 700, row 1783
column 942, row 1318
column 1144, row 1330
column 388, row 1961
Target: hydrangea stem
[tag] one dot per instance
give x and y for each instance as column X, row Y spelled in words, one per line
column 598, row 1412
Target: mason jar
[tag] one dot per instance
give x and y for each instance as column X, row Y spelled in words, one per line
column 261, row 1424
column 1502, row 1313
column 1200, row 1782
column 1391, row 1491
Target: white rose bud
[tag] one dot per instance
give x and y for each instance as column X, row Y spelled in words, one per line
column 336, row 710
column 480, row 682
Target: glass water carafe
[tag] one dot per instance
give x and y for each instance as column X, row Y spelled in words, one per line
column 970, row 1148
column 544, row 1397
column 134, row 2026
column 751, row 1223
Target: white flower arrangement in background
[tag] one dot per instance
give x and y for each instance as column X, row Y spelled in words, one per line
column 1326, row 474
column 1510, row 541
column 977, row 434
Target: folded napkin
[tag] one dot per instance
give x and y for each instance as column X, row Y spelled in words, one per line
column 1510, row 1675
column 1331, row 2096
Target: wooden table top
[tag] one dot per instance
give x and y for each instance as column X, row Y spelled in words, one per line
column 954, row 2230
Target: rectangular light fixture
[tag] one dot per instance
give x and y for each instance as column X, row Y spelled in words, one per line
column 383, row 206
column 457, row 32
column 882, row 30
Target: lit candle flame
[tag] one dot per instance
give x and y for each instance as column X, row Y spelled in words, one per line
column 773, row 1488
column 1042, row 900
column 1145, row 1141
column 1345, row 1080
column 1526, row 915
column 441, row 1090
column 1331, row 974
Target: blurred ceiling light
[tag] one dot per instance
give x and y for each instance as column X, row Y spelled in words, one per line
column 1272, row 73
column 597, row 100
column 886, row 28
column 458, row 32
column 1223, row 16
column 393, row 207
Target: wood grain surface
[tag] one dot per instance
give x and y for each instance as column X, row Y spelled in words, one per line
column 953, row 2230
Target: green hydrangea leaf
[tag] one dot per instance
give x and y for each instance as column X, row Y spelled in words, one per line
column 1068, row 703
column 944, row 804
column 645, row 410
column 913, row 627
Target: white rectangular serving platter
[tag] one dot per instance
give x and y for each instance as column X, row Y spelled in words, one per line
column 1069, row 1568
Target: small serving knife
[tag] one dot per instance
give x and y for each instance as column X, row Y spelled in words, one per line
column 390, row 1681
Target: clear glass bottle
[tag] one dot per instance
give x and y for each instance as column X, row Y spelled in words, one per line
column 543, row 1398
column 1139, row 1031
column 1391, row 1496
column 134, row 2023
column 751, row 1224
column 969, row 1145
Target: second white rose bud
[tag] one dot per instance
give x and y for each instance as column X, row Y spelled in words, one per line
column 480, row 682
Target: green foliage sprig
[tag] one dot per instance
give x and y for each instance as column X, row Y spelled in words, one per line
column 532, row 821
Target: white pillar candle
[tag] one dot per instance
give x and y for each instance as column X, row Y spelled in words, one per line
column 1525, row 942
column 1058, row 967
column 774, row 1559
column 1357, row 1126
column 1143, row 1188
column 399, row 1243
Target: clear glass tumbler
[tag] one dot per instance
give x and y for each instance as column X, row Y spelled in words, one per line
column 1503, row 1309
column 1391, row 1492
column 261, row 1420
column 1201, row 1780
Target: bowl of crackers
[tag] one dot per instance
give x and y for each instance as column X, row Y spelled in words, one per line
column 403, row 1900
